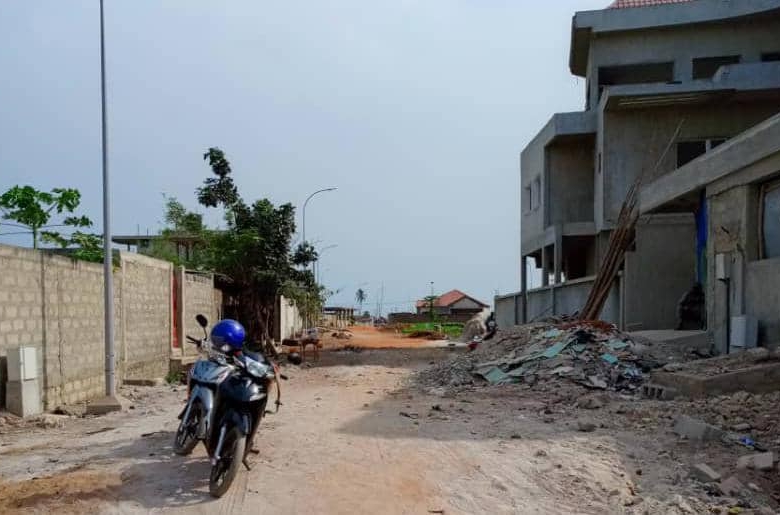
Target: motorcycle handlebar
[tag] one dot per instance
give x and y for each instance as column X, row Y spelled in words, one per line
column 193, row 340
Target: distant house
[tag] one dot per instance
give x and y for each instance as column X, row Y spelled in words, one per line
column 183, row 246
column 453, row 302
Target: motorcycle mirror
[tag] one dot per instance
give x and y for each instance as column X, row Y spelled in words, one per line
column 202, row 321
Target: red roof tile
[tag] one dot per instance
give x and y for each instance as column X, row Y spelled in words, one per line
column 625, row 4
column 448, row 299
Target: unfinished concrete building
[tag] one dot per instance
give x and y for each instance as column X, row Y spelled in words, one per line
column 737, row 186
column 666, row 82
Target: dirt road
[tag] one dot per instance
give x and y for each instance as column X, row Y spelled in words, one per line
column 351, row 438
column 372, row 338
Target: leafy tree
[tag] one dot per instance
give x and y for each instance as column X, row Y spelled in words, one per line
column 89, row 247
column 182, row 228
column 33, row 210
column 360, row 297
column 181, row 221
column 255, row 252
column 431, row 301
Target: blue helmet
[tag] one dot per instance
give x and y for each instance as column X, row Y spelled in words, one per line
column 228, row 332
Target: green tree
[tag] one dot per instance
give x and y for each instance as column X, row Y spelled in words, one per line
column 33, row 209
column 88, row 247
column 255, row 252
column 181, row 221
column 431, row 301
column 360, row 297
column 182, row 228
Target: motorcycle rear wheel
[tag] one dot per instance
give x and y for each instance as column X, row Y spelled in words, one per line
column 225, row 470
column 186, row 437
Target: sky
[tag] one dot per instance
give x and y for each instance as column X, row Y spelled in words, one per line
column 416, row 110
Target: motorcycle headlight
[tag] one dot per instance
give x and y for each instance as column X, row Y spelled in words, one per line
column 256, row 369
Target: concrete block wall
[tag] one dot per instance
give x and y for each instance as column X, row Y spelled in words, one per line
column 73, row 339
column 199, row 298
column 146, row 315
column 288, row 319
column 658, row 273
column 21, row 319
column 55, row 304
column 570, row 297
column 754, row 284
column 509, row 310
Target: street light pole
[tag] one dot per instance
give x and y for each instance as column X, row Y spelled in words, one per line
column 317, row 263
column 109, row 403
column 304, row 209
column 108, row 288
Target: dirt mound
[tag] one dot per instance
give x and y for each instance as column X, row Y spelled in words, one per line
column 68, row 492
column 593, row 354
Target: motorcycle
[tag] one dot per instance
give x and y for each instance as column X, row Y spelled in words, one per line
column 228, row 395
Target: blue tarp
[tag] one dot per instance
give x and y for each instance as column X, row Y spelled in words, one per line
column 701, row 239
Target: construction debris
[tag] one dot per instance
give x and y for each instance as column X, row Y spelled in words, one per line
column 731, row 486
column 594, row 355
column 704, row 473
column 696, row 430
column 763, row 461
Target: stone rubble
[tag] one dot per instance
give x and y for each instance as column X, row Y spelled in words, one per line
column 594, row 355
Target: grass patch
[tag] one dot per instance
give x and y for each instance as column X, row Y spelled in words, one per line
column 175, row 377
column 452, row 330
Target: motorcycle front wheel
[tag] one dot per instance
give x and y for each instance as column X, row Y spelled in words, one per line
column 224, row 471
column 187, row 434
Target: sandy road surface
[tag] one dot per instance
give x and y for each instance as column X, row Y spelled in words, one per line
column 339, row 445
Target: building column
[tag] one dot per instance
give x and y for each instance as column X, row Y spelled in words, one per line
column 545, row 270
column 523, row 291
column 558, row 254
column 181, row 310
column 523, row 273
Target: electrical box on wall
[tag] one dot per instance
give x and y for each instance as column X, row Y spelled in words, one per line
column 22, row 391
column 22, row 364
column 744, row 333
column 722, row 268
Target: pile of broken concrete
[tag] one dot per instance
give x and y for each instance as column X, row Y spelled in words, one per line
column 592, row 354
column 725, row 482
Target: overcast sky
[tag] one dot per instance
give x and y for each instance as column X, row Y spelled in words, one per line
column 415, row 109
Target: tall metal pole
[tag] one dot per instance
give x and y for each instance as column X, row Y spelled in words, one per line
column 108, row 280
column 304, row 208
column 317, row 272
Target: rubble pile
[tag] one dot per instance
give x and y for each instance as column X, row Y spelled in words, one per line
column 752, row 415
column 593, row 354
column 725, row 364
